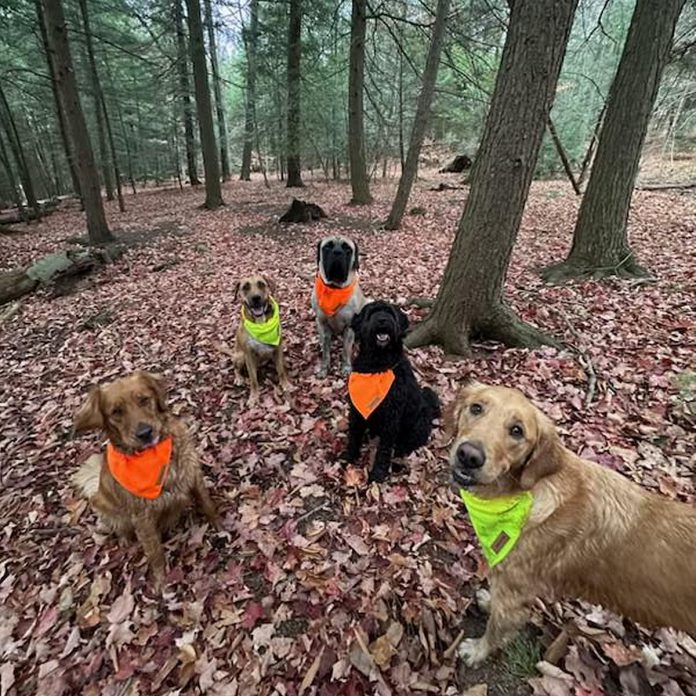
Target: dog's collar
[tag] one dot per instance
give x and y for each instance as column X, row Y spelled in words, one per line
column 498, row 522
column 330, row 298
column 268, row 331
column 367, row 390
column 143, row 474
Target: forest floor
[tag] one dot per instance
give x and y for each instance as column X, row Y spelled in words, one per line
column 317, row 584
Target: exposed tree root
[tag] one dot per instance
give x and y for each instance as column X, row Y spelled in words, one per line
column 567, row 270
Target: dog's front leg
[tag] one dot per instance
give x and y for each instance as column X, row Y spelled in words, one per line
column 385, row 449
column 347, row 354
column 279, row 362
column 149, row 537
column 325, row 346
column 509, row 611
column 204, row 502
column 357, row 426
column 250, row 362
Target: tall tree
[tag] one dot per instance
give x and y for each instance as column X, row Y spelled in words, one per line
column 217, row 90
column 356, row 86
column 294, row 113
column 470, row 299
column 60, row 115
column 420, row 122
column 250, row 36
column 600, row 242
column 213, row 192
column 185, row 94
column 57, row 32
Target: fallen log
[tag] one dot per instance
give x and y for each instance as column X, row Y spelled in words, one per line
column 27, row 215
column 55, row 268
column 459, row 164
column 301, row 211
column 666, row 187
column 445, row 187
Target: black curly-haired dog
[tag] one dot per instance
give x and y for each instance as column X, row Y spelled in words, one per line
column 385, row 399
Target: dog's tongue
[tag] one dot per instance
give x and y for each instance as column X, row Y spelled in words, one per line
column 257, row 311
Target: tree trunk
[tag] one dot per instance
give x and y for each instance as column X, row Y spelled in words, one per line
column 250, row 41
column 294, row 113
column 57, row 31
column 217, row 90
column 7, row 166
column 211, row 166
column 420, row 122
column 10, row 127
column 600, row 241
column 470, row 301
column 356, row 129
column 567, row 168
column 98, row 109
column 60, row 114
column 182, row 66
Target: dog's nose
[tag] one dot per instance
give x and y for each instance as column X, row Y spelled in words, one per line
column 255, row 299
column 470, row 455
column 144, row 432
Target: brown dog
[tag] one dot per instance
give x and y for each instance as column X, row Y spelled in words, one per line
column 259, row 337
column 590, row 533
column 150, row 471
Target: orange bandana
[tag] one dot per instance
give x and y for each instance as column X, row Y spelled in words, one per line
column 142, row 474
column 368, row 390
column 332, row 299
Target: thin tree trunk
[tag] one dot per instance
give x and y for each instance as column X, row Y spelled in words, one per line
column 250, row 41
column 420, row 123
column 8, row 123
column 185, row 94
column 402, row 155
column 563, row 156
column 294, row 111
column 57, row 31
column 211, row 166
column 600, row 241
column 98, row 105
column 114, row 157
column 60, row 115
column 470, row 302
column 217, row 90
column 7, row 166
column 587, row 159
column 356, row 84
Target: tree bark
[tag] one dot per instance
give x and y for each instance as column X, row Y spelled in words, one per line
column 250, row 40
column 211, row 166
column 356, row 128
column 567, row 168
column 14, row 141
column 420, row 123
column 294, row 112
column 60, row 114
column 185, row 94
column 470, row 302
column 57, row 32
column 600, row 241
column 217, row 90
column 7, row 166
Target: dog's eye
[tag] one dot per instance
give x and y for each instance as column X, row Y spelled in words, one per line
column 246, row 287
column 261, row 285
column 117, row 412
column 517, row 431
column 475, row 409
column 143, row 400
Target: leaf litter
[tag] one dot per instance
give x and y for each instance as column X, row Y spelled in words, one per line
column 317, row 584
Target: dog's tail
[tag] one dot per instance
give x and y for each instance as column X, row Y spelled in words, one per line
column 86, row 478
column 433, row 403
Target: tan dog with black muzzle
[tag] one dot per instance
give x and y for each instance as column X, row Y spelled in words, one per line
column 259, row 337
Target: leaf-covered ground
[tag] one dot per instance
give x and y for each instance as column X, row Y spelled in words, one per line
column 317, row 585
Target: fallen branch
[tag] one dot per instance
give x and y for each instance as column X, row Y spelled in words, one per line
column 420, row 302
column 453, row 647
column 666, row 187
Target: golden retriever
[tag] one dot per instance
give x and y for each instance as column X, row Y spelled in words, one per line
column 591, row 533
column 133, row 413
column 259, row 308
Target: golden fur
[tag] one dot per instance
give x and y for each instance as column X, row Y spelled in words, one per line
column 591, row 534
column 119, row 409
column 249, row 354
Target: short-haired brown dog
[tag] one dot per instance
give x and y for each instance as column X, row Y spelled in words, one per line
column 259, row 337
column 590, row 533
column 150, row 471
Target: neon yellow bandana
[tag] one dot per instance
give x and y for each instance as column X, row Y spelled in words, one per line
column 267, row 332
column 498, row 522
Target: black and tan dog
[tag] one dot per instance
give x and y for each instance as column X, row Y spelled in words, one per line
column 336, row 297
column 259, row 337
column 386, row 401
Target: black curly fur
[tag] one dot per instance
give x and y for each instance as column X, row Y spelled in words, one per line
column 404, row 420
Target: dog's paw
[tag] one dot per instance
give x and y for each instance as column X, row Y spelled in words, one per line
column 483, row 600
column 253, row 399
column 473, row 651
column 346, row 370
column 377, row 475
column 322, row 371
column 348, row 457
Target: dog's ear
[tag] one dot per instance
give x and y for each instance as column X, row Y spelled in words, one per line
column 237, row 285
column 319, row 252
column 271, row 284
column 453, row 410
column 158, row 387
column 356, row 321
column 90, row 416
column 356, row 257
column 402, row 319
column 547, row 456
